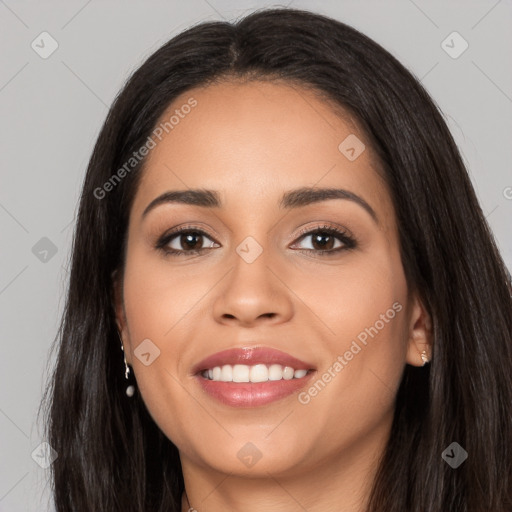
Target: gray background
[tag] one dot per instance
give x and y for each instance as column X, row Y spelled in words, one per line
column 52, row 110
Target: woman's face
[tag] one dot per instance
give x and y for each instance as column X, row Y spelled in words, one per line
column 259, row 280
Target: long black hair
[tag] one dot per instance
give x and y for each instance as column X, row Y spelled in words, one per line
column 111, row 454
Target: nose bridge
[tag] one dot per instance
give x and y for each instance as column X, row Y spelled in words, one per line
column 251, row 289
column 252, row 262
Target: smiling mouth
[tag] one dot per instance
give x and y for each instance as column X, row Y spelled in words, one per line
column 251, row 376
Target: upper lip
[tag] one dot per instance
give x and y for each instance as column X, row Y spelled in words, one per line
column 251, row 356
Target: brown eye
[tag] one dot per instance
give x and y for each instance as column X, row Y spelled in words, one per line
column 327, row 240
column 322, row 241
column 191, row 241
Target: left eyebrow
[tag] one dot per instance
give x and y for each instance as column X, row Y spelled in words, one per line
column 309, row 195
column 296, row 198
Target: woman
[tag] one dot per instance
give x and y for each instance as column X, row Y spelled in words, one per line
column 338, row 335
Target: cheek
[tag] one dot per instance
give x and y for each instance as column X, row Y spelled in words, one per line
column 367, row 342
column 158, row 298
column 360, row 299
column 156, row 309
column 155, row 306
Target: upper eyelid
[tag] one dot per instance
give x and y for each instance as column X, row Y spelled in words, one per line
column 337, row 232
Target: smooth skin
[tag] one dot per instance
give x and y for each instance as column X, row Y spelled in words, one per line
column 251, row 142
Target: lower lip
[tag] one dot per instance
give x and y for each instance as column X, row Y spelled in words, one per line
column 248, row 394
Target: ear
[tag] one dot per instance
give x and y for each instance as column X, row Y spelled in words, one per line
column 419, row 333
column 120, row 315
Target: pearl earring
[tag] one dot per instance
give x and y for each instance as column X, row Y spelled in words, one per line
column 130, row 390
column 424, row 357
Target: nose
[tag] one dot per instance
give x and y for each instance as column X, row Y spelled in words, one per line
column 253, row 293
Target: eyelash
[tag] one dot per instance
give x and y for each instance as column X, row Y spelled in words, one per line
column 349, row 241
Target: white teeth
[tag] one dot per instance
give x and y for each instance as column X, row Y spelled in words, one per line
column 288, row 373
column 275, row 372
column 258, row 373
column 227, row 373
column 240, row 373
column 255, row 373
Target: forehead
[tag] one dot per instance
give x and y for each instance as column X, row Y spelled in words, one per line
column 251, row 141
